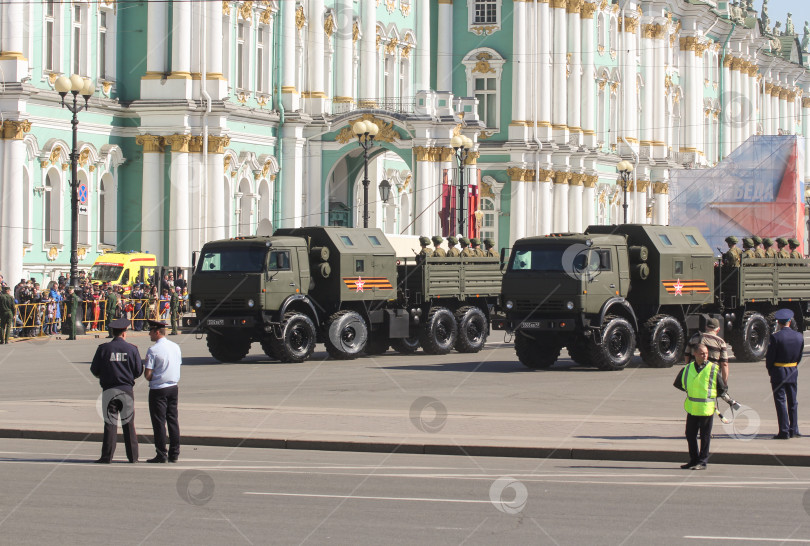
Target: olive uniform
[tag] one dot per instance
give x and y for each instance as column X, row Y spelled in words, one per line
column 489, row 244
column 466, row 251
column 112, row 305
column 73, row 310
column 770, row 251
column 175, row 311
column 425, row 252
column 476, row 248
column 6, row 314
column 748, row 245
column 794, row 244
column 783, row 253
column 439, row 252
column 453, row 252
column 733, row 255
column 759, row 252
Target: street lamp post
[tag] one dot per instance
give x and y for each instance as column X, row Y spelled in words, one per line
column 76, row 85
column 625, row 168
column 365, row 131
column 461, row 144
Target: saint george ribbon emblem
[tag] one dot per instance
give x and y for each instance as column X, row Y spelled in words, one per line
column 677, row 287
column 359, row 284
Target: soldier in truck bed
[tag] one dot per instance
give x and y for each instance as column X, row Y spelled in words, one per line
column 783, row 252
column 453, row 252
column 424, row 242
column 733, row 255
column 748, row 246
column 770, row 251
column 794, row 244
column 466, row 251
column 439, row 252
column 759, row 252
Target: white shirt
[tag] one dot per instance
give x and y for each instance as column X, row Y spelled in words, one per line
column 164, row 359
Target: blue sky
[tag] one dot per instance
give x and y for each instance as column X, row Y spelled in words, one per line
column 778, row 10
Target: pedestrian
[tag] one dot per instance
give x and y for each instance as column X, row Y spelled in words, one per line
column 72, row 312
column 452, row 251
column 117, row 364
column 174, row 304
column 718, row 350
column 110, row 307
column 163, row 360
column 6, row 314
column 733, row 255
column 785, row 349
column 490, row 252
column 439, row 251
column 702, row 384
column 164, row 304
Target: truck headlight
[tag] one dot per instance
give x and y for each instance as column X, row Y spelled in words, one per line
column 569, row 305
column 509, row 304
column 250, row 303
column 198, row 304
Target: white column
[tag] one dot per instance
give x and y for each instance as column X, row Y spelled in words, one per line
column 588, row 77
column 315, row 201
column 640, row 201
column 344, row 94
column 289, row 94
column 806, row 133
column 660, row 121
column 517, row 129
column 775, row 117
column 314, row 92
column 648, row 102
column 12, row 61
column 791, row 113
column 661, row 207
column 422, row 193
column 544, row 65
column 179, row 233
column 737, row 90
column 11, row 251
column 448, row 162
column 444, row 47
column 517, row 222
column 292, row 176
column 575, row 191
column 196, row 210
column 628, row 54
column 181, row 38
column 559, row 118
column 693, row 99
column 783, row 111
column 727, row 115
column 753, row 93
column 560, row 222
column 589, row 201
column 156, row 30
column 216, row 194
column 574, row 57
column 423, row 59
column 368, row 56
column 152, row 195
column 216, row 84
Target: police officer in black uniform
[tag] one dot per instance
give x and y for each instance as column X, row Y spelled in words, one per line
column 117, row 364
column 785, row 350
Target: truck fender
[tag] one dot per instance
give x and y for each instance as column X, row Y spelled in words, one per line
column 620, row 301
column 298, row 298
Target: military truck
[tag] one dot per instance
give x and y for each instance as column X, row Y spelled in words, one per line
column 341, row 286
column 612, row 289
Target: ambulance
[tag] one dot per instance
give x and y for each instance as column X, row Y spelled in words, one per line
column 122, row 268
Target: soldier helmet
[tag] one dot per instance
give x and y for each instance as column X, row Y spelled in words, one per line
column 748, row 242
column 452, row 241
column 793, row 242
column 767, row 241
column 781, row 241
column 757, row 240
column 437, row 240
column 424, row 241
column 464, row 241
column 488, row 242
column 475, row 242
column 732, row 240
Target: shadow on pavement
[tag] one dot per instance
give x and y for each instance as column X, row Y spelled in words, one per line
column 680, row 437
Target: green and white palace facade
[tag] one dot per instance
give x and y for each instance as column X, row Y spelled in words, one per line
column 210, row 119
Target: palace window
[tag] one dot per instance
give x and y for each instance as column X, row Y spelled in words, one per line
column 78, row 48
column 240, row 56
column 260, row 60
column 486, row 12
column 486, row 91
column 489, row 223
column 484, row 70
column 102, row 44
column 49, row 44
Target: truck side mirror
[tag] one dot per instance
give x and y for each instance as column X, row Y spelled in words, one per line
column 503, row 258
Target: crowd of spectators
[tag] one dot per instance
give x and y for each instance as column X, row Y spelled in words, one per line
column 39, row 310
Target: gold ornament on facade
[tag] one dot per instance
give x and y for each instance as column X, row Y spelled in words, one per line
column 483, row 135
column 217, row 144
column 587, row 10
column 515, row 173
column 262, row 100
column 53, row 252
column 482, row 66
column 390, row 5
column 614, row 87
column 806, row 102
column 406, row 51
column 601, row 85
column 628, row 24
column 150, row 143
column 195, row 144
column 561, row 177
column 660, row 188
column 178, row 142
column 603, row 4
column 65, row 166
column 768, row 87
column 266, row 16
column 573, row 6
column 246, row 11
column 56, row 152
column 667, row 84
column 391, row 46
column 355, row 31
column 600, row 49
column 300, row 18
column 83, row 157
column 226, row 7
column 15, row 130
column 226, row 164
column 485, row 191
column 405, row 8
column 783, row 94
column 386, row 133
column 377, row 42
column 577, row 179
column 105, row 87
column 329, row 25
column 266, row 168
column 472, row 158
column 590, row 180
column 484, row 30
column 791, row 96
column 559, row 4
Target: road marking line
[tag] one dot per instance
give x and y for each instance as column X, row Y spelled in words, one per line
column 751, row 539
column 418, row 499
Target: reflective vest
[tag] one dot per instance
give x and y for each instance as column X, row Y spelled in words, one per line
column 701, row 389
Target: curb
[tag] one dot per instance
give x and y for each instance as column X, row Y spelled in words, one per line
column 433, row 449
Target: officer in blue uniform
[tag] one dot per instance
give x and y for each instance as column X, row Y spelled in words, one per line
column 117, row 365
column 785, row 350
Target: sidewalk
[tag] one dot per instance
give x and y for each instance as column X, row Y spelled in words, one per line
column 621, row 438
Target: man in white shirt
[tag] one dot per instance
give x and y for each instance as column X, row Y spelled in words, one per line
column 162, row 370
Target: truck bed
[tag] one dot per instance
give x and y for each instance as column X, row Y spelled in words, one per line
column 460, row 278
column 774, row 282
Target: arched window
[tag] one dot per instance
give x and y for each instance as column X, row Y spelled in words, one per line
column 226, row 204
column 485, row 85
column 245, row 209
column 52, row 208
column 489, row 223
column 614, row 33
column 601, row 33
column 406, row 214
column 27, row 191
column 265, row 211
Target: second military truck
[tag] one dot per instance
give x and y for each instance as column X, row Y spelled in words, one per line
column 612, row 289
column 342, row 286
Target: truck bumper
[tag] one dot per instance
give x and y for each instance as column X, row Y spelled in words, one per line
column 209, row 323
column 568, row 324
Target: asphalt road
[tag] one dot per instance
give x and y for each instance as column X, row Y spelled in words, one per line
column 256, row 496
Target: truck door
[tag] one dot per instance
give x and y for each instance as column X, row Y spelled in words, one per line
column 602, row 282
column 281, row 277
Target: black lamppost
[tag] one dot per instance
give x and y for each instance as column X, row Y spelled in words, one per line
column 75, row 85
column 625, row 168
column 365, row 131
column 461, row 144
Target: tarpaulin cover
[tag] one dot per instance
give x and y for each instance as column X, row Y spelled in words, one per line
column 756, row 190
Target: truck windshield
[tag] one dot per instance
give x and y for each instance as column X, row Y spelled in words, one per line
column 232, row 260
column 546, row 258
column 106, row 273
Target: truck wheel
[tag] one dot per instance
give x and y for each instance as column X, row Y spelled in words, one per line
column 439, row 332
column 228, row 349
column 473, row 328
column 377, row 344
column 616, row 347
column 267, row 347
column 297, row 340
column 662, row 341
column 406, row 345
column 345, row 335
column 579, row 353
column 537, row 353
column 750, row 342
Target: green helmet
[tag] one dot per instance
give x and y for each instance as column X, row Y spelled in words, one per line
column 475, row 242
column 781, row 241
column 452, row 241
column 732, row 240
column 489, row 243
column 768, row 242
column 748, row 242
column 437, row 240
column 793, row 242
column 424, row 241
column 464, row 241
column 757, row 240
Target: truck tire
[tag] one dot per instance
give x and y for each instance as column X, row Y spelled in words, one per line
column 297, row 341
column 267, row 347
column 227, row 349
column 439, row 332
column 616, row 345
column 406, row 345
column 377, row 344
column 662, row 341
column 750, row 341
column 537, row 353
column 473, row 329
column 579, row 353
column 345, row 335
